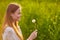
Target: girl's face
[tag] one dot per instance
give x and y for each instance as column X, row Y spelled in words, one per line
column 17, row 15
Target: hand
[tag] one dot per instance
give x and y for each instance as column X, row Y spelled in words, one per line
column 33, row 35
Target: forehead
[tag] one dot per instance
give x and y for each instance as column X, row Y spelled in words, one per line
column 18, row 10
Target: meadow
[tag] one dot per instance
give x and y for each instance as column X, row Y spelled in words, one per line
column 45, row 12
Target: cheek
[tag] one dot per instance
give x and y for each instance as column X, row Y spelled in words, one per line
column 14, row 17
column 17, row 17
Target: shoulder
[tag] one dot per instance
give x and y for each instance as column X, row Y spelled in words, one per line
column 8, row 32
column 9, row 29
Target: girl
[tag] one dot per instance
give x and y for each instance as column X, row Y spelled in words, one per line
column 11, row 30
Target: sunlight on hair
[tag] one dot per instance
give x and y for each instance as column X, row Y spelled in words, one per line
column 16, row 4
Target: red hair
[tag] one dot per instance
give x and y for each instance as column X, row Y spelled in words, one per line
column 8, row 19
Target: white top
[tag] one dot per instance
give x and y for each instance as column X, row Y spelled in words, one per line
column 9, row 34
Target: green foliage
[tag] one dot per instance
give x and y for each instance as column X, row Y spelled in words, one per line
column 46, row 13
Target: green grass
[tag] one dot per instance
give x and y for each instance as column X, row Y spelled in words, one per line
column 46, row 13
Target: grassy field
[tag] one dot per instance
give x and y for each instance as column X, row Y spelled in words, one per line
column 46, row 13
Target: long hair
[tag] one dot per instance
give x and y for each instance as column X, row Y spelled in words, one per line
column 8, row 19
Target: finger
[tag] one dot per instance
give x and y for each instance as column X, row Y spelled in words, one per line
column 35, row 34
column 36, row 30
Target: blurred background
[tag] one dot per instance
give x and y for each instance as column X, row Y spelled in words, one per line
column 45, row 12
